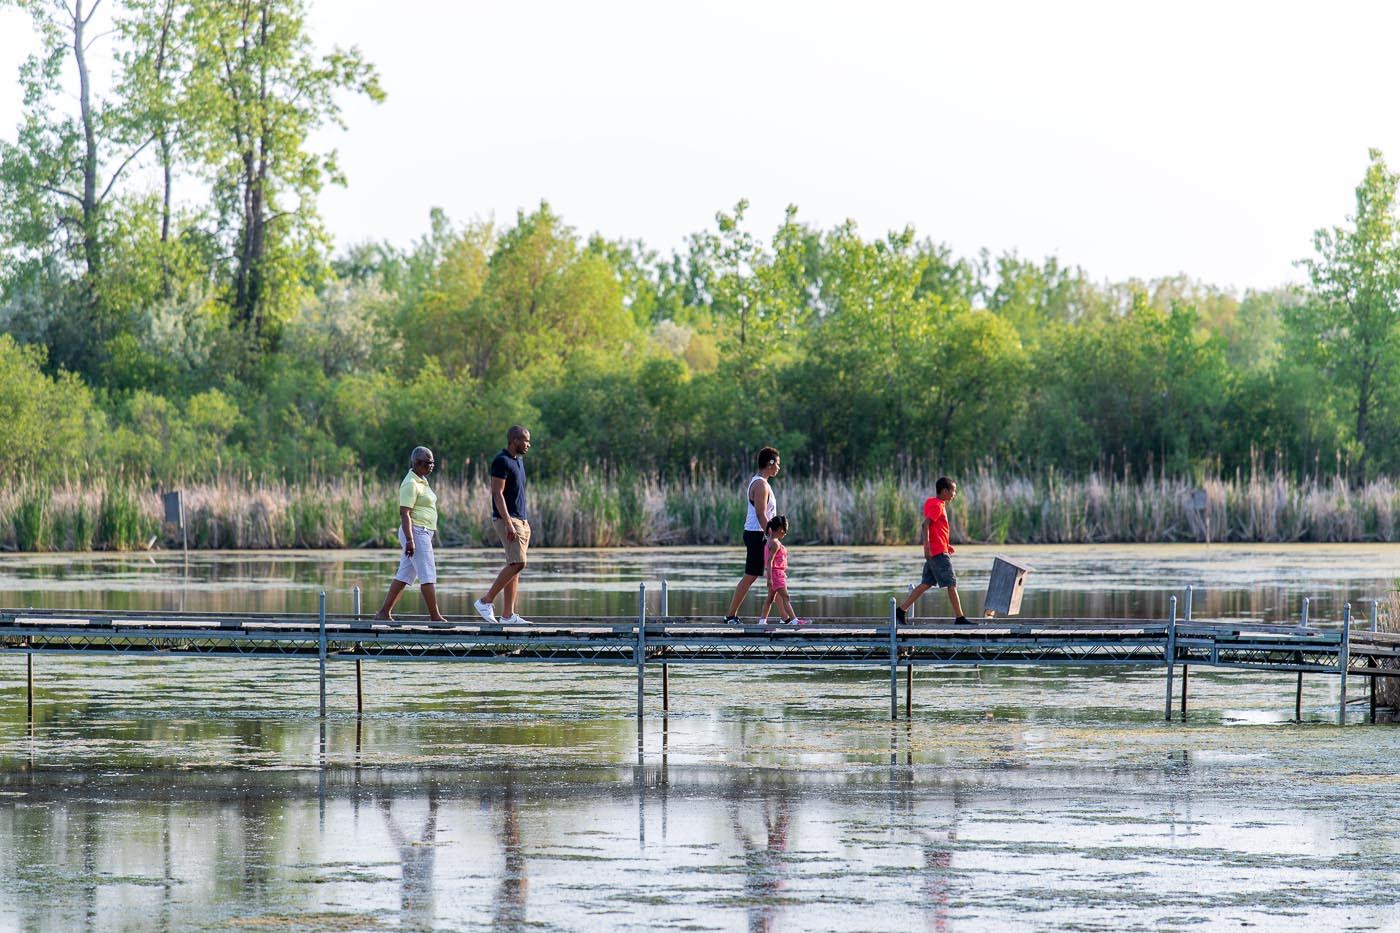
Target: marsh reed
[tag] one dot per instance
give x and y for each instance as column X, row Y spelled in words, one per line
column 597, row 510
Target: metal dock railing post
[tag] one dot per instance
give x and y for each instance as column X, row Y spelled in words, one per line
column 1298, row 696
column 1171, row 657
column 1186, row 668
column 894, row 666
column 1375, row 620
column 641, row 651
column 665, row 671
column 322, row 652
column 359, row 682
column 1344, row 661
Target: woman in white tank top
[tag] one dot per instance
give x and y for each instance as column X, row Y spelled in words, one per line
column 762, row 505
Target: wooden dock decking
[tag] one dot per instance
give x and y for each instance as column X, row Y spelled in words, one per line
column 1339, row 649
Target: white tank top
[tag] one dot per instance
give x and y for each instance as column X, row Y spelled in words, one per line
column 751, row 522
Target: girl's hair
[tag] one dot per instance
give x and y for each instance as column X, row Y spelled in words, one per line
column 766, row 456
column 777, row 522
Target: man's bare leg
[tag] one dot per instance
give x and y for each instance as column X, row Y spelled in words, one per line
column 390, row 598
column 508, row 594
column 507, row 574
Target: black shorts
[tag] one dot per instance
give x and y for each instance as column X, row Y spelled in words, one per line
column 938, row 571
column 753, row 558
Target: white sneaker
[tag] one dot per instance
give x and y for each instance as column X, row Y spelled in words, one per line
column 485, row 610
column 515, row 619
column 763, row 621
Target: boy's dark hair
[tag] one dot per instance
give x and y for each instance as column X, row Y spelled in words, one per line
column 942, row 484
column 766, row 456
column 776, row 522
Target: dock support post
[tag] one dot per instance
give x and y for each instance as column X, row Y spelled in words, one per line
column 1375, row 620
column 1373, row 692
column 1344, row 661
column 322, row 652
column 359, row 680
column 29, row 684
column 894, row 666
column 1298, row 695
column 665, row 669
column 641, row 652
column 1171, row 657
column 909, row 690
column 1186, row 668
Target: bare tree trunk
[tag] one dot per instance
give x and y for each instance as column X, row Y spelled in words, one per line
column 92, row 256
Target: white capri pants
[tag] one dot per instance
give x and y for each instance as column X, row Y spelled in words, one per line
column 421, row 566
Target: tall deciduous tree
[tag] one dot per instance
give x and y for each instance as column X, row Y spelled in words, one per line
column 1350, row 324
column 59, row 175
column 257, row 91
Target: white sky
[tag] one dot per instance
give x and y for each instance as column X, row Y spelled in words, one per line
column 1132, row 139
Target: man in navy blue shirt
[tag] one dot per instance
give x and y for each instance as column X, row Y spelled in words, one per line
column 511, row 518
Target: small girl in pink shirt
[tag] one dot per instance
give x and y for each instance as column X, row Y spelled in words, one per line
column 775, row 563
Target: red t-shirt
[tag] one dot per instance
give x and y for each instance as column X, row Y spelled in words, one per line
column 937, row 517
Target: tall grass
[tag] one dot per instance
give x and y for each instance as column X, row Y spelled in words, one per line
column 595, row 510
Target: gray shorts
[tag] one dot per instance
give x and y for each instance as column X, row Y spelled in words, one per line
column 938, row 571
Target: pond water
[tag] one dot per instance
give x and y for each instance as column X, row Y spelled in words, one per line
column 162, row 793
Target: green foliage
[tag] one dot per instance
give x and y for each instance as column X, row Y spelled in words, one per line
column 146, row 337
column 1349, row 328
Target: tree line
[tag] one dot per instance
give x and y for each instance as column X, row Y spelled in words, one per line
column 171, row 307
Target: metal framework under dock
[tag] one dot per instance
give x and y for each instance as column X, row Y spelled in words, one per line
column 665, row 640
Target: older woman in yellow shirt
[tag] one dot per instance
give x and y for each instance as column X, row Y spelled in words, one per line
column 417, row 522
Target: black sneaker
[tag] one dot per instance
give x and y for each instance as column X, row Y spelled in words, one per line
column 899, row 614
column 734, row 620
column 962, row 620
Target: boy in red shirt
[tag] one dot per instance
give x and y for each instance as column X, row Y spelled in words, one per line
column 938, row 565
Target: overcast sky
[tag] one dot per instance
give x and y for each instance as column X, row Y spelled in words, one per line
column 1132, row 139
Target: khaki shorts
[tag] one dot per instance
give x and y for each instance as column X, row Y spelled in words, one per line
column 515, row 550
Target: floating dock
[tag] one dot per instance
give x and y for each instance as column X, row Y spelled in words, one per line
column 1341, row 649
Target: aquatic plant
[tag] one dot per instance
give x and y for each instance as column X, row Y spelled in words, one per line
column 596, row 509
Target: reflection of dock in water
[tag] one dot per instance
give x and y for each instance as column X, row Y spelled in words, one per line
column 1338, row 649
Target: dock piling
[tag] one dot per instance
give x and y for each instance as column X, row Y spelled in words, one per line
column 1171, row 656
column 894, row 666
column 1298, row 695
column 29, row 686
column 322, row 651
column 1186, row 668
column 1344, row 661
column 665, row 669
column 641, row 652
column 359, row 675
column 909, row 690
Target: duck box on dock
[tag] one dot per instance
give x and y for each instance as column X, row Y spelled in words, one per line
column 1004, row 587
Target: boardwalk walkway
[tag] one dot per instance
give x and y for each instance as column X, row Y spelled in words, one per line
column 1341, row 650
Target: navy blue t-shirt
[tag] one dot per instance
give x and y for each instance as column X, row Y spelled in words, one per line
column 512, row 470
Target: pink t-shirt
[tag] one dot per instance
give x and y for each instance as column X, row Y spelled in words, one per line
column 777, row 554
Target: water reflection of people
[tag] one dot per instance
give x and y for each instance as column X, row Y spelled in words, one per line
column 938, row 864
column 417, row 862
column 512, row 893
column 765, row 866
